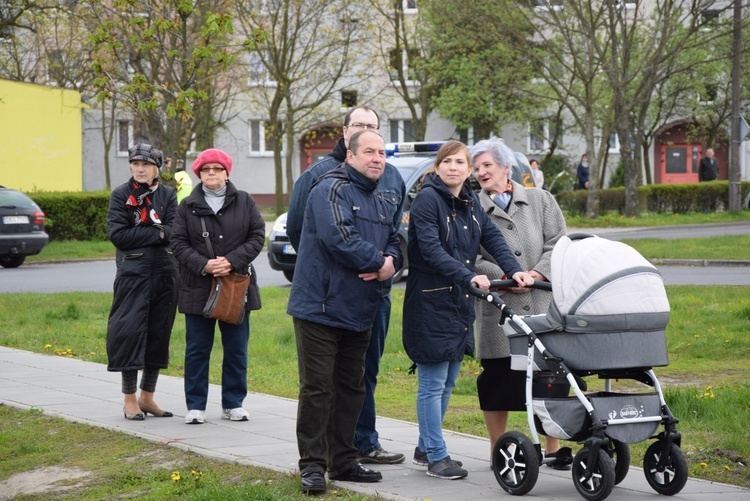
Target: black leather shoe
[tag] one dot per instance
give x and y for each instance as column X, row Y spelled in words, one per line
column 359, row 473
column 313, row 482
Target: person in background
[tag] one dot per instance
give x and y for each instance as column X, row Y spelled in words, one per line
column 392, row 190
column 447, row 226
column 348, row 251
column 237, row 232
column 532, row 223
column 582, row 173
column 184, row 182
column 708, row 169
column 139, row 224
column 538, row 174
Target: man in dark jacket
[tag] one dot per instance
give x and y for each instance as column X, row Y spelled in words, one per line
column 392, row 190
column 708, row 170
column 348, row 251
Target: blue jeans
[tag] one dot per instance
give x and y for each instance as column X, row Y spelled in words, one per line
column 366, row 436
column 436, row 382
column 199, row 340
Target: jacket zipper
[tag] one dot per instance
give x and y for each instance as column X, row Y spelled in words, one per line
column 478, row 226
column 449, row 288
column 448, row 227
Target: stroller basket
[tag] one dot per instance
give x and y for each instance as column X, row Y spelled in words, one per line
column 567, row 419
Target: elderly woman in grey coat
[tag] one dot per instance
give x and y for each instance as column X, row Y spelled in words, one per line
column 531, row 222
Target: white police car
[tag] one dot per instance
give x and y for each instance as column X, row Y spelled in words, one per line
column 412, row 160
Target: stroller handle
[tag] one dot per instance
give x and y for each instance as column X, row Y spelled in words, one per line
column 496, row 285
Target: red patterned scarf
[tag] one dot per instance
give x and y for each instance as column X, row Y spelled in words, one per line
column 139, row 203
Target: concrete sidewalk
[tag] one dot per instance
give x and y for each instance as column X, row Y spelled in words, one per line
column 85, row 392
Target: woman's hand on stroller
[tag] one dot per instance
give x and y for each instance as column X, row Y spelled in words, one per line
column 522, row 278
column 482, row 282
column 523, row 290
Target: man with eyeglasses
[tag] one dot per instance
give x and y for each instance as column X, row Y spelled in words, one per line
column 392, row 190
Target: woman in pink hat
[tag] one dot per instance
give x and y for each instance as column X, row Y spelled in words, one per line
column 236, row 232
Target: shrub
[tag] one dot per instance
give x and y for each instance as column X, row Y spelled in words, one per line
column 74, row 215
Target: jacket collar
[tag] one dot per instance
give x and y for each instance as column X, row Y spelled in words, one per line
column 432, row 180
column 197, row 201
column 346, row 171
column 489, row 206
column 339, row 151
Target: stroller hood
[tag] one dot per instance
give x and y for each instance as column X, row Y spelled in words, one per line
column 609, row 308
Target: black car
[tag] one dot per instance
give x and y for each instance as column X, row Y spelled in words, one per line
column 21, row 228
column 411, row 160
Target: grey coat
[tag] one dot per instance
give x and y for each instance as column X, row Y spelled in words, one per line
column 533, row 225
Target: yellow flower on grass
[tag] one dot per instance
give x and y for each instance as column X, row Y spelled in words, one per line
column 704, row 465
column 175, row 476
column 696, row 336
column 47, row 346
column 726, row 467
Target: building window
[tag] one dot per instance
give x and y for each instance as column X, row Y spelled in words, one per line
column 348, row 98
column 542, row 132
column 709, row 95
column 258, row 73
column 402, row 131
column 129, row 132
column 261, row 141
column 410, row 6
column 548, row 5
column 399, row 60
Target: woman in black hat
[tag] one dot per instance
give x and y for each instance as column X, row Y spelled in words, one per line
column 139, row 224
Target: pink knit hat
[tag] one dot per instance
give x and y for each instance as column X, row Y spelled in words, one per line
column 212, row 156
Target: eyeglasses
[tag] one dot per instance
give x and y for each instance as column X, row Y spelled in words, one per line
column 360, row 125
column 212, row 169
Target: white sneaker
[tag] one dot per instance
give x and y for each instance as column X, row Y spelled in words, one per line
column 238, row 414
column 195, row 417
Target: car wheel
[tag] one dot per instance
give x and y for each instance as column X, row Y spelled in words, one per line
column 289, row 274
column 12, row 261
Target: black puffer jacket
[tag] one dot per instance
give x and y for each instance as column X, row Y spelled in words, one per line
column 237, row 232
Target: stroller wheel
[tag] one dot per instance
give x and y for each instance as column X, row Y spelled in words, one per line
column 670, row 479
column 515, row 463
column 620, row 452
column 596, row 484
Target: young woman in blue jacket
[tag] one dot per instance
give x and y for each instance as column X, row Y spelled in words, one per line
column 447, row 226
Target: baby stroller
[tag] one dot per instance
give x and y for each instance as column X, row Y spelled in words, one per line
column 607, row 318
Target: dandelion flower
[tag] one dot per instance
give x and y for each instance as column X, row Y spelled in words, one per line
column 704, row 465
column 726, row 467
column 48, row 346
column 175, row 476
column 696, row 336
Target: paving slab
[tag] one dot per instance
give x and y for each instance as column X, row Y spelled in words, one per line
column 85, row 392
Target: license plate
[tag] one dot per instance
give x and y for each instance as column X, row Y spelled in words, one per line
column 288, row 249
column 16, row 219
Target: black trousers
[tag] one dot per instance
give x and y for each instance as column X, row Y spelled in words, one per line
column 331, row 391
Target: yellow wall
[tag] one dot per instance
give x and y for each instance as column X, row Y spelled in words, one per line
column 40, row 138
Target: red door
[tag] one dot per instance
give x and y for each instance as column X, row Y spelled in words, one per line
column 679, row 163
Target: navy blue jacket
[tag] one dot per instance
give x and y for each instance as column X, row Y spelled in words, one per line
column 445, row 233
column 390, row 187
column 347, row 230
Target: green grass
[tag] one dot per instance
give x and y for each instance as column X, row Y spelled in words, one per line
column 614, row 219
column 707, row 342
column 127, row 467
column 722, row 247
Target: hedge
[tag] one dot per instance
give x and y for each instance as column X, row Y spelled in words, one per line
column 83, row 215
column 659, row 198
column 74, row 215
